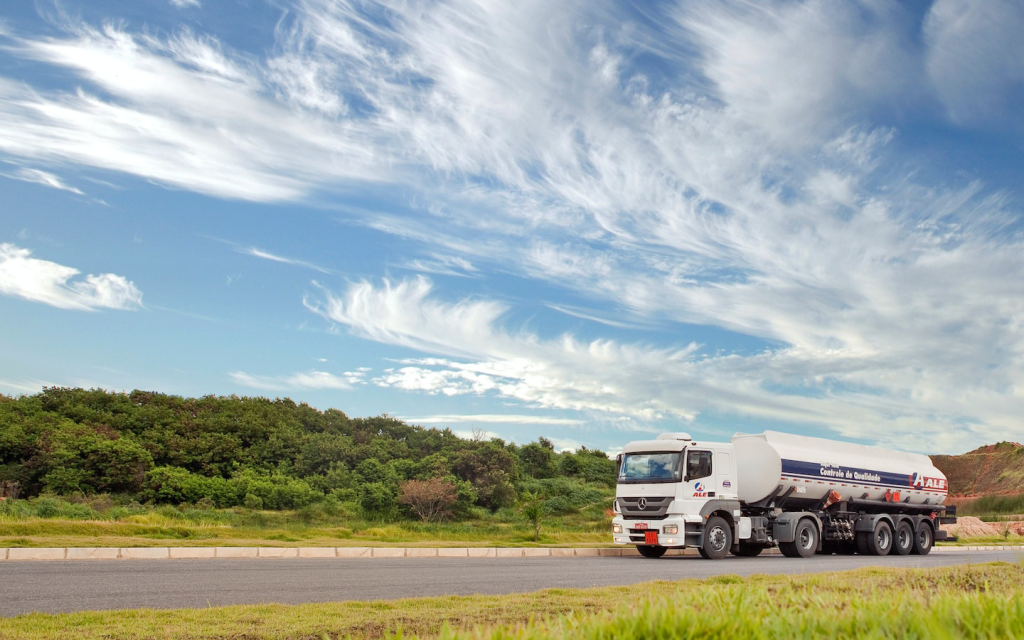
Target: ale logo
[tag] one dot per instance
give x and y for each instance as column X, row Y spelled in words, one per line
column 699, row 491
column 920, row 481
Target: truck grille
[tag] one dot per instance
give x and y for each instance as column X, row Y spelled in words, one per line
column 654, row 508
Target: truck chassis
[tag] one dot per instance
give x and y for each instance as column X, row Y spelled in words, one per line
column 868, row 527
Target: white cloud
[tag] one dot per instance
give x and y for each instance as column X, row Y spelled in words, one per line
column 501, row 418
column 879, row 389
column 265, row 255
column 44, row 178
column 304, row 380
column 37, row 280
column 975, row 59
column 795, row 70
column 184, row 4
column 181, row 112
column 29, row 387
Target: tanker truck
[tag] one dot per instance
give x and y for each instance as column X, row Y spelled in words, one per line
column 804, row 495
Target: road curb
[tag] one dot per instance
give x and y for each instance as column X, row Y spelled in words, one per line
column 23, row 554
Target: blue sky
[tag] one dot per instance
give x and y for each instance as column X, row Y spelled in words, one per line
column 586, row 220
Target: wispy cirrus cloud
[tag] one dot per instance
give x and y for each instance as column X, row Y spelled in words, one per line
column 23, row 276
column 266, row 255
column 44, row 178
column 490, row 418
column 303, row 380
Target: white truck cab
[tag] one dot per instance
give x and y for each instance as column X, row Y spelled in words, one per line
column 669, row 488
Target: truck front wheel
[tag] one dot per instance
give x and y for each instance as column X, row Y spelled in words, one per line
column 924, row 539
column 651, row 551
column 717, row 539
column 805, row 544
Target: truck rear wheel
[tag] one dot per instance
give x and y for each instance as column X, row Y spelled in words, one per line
column 877, row 542
column 904, row 542
column 806, row 543
column 717, row 539
column 924, row 539
column 651, row 550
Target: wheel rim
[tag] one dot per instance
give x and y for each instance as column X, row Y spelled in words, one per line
column 924, row 538
column 717, row 538
column 882, row 538
column 806, row 538
column 905, row 538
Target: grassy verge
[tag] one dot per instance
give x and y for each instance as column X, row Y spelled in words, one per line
column 171, row 527
column 155, row 531
column 980, row 601
column 105, row 534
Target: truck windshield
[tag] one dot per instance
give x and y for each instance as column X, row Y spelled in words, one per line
column 650, row 467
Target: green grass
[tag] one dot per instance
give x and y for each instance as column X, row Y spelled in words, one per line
column 992, row 505
column 76, row 525
column 979, row 601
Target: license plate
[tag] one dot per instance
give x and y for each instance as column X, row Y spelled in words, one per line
column 640, row 526
column 651, row 537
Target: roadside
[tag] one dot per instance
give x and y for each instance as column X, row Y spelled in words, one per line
column 15, row 554
column 860, row 601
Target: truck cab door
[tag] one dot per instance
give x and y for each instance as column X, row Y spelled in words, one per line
column 698, row 475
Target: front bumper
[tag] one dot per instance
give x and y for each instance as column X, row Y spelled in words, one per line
column 689, row 528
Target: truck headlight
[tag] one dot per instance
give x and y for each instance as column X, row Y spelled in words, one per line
column 670, row 529
column 616, row 528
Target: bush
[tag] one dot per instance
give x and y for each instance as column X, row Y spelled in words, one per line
column 46, row 508
column 430, row 499
column 376, row 499
column 15, row 509
column 175, row 485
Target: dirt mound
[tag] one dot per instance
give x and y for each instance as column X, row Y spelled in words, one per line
column 971, row 527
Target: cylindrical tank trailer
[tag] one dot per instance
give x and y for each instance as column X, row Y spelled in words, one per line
column 815, row 466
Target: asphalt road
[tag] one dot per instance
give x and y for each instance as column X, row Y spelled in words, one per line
column 128, row 584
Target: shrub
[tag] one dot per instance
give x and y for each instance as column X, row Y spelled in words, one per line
column 430, row 499
column 376, row 499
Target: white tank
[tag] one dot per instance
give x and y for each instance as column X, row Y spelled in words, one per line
column 815, row 466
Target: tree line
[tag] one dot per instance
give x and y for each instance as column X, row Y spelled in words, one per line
column 229, row 451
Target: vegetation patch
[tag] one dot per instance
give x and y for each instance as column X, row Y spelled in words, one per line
column 148, row 467
column 979, row 601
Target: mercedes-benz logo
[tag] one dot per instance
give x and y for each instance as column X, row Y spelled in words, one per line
column 642, row 504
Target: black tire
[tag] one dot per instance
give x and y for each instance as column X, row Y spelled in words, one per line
column 651, row 550
column 862, row 543
column 703, row 553
column 880, row 541
column 745, row 550
column 806, row 543
column 904, row 542
column 717, row 539
column 923, row 539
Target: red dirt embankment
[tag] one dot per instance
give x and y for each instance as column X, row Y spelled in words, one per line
column 994, row 469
